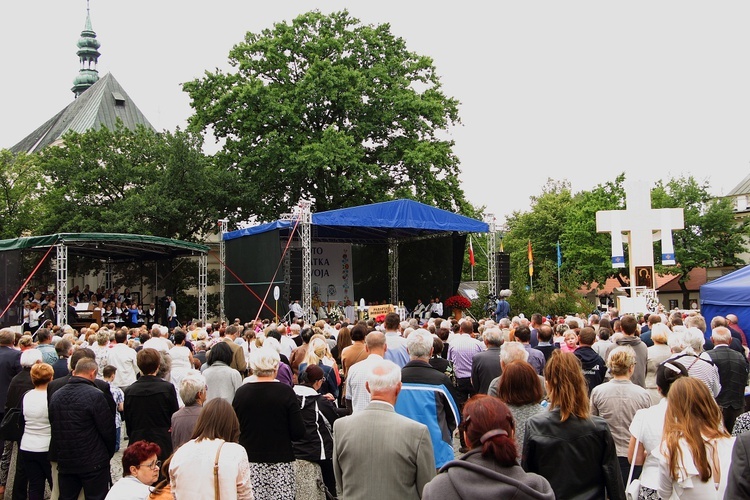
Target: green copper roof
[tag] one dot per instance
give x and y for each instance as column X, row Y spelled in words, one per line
column 88, row 55
column 99, row 106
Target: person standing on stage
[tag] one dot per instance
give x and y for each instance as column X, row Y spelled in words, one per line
column 171, row 312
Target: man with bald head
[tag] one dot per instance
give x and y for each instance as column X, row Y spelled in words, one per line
column 734, row 327
column 377, row 453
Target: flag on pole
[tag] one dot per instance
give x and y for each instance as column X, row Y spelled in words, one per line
column 501, row 245
column 531, row 261
column 559, row 256
column 471, row 253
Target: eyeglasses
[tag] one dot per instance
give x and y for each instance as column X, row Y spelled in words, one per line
column 156, row 464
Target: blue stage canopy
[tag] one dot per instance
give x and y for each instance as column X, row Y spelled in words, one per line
column 377, row 223
column 729, row 294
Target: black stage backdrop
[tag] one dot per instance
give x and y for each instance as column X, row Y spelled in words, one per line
column 11, row 280
column 428, row 268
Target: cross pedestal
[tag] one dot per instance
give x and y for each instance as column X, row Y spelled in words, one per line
column 643, row 226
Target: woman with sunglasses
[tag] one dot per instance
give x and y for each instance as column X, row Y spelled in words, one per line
column 140, row 469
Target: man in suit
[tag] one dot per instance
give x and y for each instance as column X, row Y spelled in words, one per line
column 377, row 453
column 733, row 372
column 738, row 481
column 238, row 356
column 10, row 365
column 485, row 365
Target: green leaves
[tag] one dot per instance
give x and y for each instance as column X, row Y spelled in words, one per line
column 328, row 109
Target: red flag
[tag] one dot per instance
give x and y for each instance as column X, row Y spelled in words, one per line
column 471, row 253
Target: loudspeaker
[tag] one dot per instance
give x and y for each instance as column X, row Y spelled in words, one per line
column 503, row 271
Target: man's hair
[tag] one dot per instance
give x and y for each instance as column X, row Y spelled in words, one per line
column 629, row 324
column 721, row 335
column 358, row 332
column 384, row 376
column 148, row 360
column 587, row 336
column 523, row 334
column 86, row 366
column 467, row 326
column 190, row 386
column 537, row 318
column 7, row 337
column 43, row 335
column 493, row 336
column 513, row 351
column 121, row 336
column 79, row 354
column 392, row 321
column 108, row 371
column 419, row 343
column 544, row 333
column 63, row 347
column 232, row 330
column 375, row 340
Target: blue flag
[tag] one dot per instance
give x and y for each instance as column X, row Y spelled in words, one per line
column 559, row 256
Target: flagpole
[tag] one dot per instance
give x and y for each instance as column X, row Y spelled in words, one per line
column 472, row 257
column 559, row 258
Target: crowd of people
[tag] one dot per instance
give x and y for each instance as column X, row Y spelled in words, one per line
column 542, row 408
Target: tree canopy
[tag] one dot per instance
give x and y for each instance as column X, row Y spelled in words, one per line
column 20, row 187
column 131, row 181
column 330, row 110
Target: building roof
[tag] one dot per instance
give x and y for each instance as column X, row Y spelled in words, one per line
column 99, row 106
column 741, row 188
column 665, row 283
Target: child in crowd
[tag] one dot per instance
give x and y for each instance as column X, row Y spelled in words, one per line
column 109, row 376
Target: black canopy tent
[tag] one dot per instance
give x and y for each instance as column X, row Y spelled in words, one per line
column 109, row 247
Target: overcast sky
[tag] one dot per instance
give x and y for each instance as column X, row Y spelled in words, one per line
column 576, row 90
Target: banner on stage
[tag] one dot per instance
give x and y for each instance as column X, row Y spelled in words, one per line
column 332, row 272
column 373, row 311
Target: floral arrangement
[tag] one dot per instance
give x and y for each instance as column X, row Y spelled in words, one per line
column 457, row 302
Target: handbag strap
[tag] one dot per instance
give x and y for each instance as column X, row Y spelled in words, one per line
column 216, row 472
column 635, row 454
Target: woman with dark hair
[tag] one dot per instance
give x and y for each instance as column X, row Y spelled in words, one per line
column 270, row 419
column 696, row 450
column 221, row 379
column 565, row 443
column 490, row 469
column 356, row 351
column 140, row 469
column 343, row 340
column 313, row 453
column 521, row 389
column 149, row 404
column 647, row 427
column 214, row 443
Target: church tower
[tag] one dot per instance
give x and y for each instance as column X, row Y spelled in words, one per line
column 88, row 54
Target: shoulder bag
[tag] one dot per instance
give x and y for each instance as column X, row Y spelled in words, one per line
column 216, row 472
column 13, row 423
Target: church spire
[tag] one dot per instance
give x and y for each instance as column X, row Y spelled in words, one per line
column 88, row 54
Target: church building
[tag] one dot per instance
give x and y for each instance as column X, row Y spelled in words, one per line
column 98, row 102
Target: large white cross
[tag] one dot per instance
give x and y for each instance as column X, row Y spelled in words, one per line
column 640, row 221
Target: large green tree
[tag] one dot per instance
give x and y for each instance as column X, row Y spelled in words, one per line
column 330, row 110
column 711, row 238
column 132, row 181
column 20, row 187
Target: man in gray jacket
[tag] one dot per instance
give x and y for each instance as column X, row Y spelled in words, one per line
column 629, row 326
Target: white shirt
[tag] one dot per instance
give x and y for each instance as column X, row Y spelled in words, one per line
column 647, row 426
column 128, row 488
column 158, row 343
column 356, row 379
column 191, row 471
column 37, row 432
column 688, row 485
column 123, row 358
